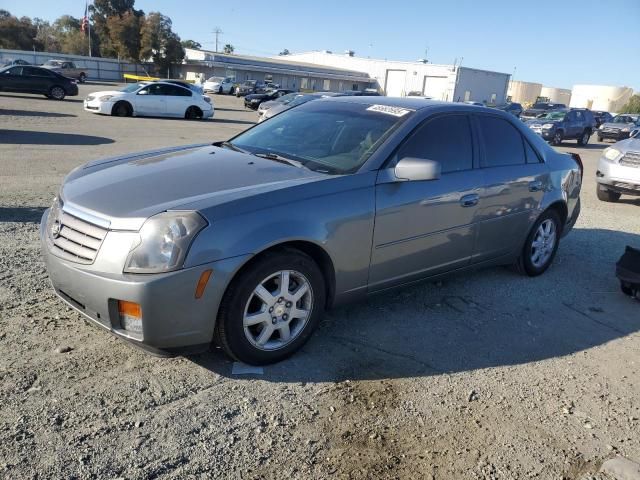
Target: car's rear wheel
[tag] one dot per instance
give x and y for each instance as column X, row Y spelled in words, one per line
column 57, row 93
column 599, row 138
column 82, row 78
column 607, row 195
column 271, row 309
column 220, row 90
column 232, row 91
column 557, row 138
column 193, row 113
column 584, row 138
column 121, row 109
column 541, row 245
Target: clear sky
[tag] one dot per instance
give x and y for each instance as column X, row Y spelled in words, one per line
column 559, row 43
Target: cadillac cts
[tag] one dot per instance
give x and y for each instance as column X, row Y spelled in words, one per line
column 247, row 242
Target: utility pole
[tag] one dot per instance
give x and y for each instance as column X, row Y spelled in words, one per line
column 217, row 32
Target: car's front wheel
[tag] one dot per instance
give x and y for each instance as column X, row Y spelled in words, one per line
column 271, row 309
column 541, row 245
column 82, row 78
column 584, row 138
column 57, row 93
column 606, row 195
column 557, row 138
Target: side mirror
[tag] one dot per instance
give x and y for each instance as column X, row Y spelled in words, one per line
column 416, row 169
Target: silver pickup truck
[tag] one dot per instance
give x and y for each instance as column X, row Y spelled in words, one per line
column 66, row 68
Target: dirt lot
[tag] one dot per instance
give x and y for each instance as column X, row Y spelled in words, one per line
column 487, row 375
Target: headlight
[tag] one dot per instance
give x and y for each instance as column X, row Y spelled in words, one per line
column 626, row 129
column 104, row 98
column 548, row 125
column 163, row 242
column 611, row 153
column 255, row 100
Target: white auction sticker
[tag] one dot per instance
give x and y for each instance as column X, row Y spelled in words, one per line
column 395, row 111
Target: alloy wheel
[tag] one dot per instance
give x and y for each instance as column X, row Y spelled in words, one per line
column 57, row 93
column 544, row 243
column 278, row 310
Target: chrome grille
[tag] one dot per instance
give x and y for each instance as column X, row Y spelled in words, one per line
column 77, row 240
column 631, row 159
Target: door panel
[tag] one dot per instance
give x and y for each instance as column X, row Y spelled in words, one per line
column 423, row 228
column 508, row 204
column 153, row 103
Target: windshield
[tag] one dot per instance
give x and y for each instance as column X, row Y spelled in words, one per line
column 133, row 87
column 287, row 98
column 623, row 119
column 53, row 63
column 541, row 106
column 328, row 137
column 554, row 116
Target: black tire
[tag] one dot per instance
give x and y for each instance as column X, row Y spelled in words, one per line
column 193, row 113
column 606, row 195
column 122, row 109
column 82, row 78
column 584, row 138
column 599, row 138
column 557, row 138
column 220, row 90
column 525, row 263
column 57, row 93
column 230, row 333
column 627, row 290
column 232, row 91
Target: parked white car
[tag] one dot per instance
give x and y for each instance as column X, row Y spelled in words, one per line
column 155, row 99
column 219, row 85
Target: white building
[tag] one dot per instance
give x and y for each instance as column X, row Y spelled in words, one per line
column 398, row 79
column 524, row 92
column 556, row 95
column 600, row 97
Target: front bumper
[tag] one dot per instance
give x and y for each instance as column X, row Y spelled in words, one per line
column 547, row 134
column 96, row 106
column 173, row 320
column 251, row 105
column 619, row 178
column 613, row 135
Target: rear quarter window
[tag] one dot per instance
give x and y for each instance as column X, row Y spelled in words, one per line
column 503, row 143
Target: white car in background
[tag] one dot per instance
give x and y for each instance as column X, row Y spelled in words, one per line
column 219, row 85
column 154, row 99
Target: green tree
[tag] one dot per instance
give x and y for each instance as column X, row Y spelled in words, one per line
column 191, row 44
column 159, row 43
column 124, row 34
column 632, row 106
column 229, row 49
column 17, row 34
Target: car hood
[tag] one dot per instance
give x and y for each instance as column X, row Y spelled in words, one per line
column 618, row 125
column 258, row 96
column 105, row 92
column 629, row 144
column 128, row 190
column 542, row 121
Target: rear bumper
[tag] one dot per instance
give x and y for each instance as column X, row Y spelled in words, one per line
column 173, row 320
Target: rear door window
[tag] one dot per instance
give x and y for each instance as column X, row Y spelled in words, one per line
column 503, row 143
column 445, row 139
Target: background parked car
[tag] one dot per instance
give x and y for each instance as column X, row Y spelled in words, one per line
column 619, row 171
column 601, row 117
column 219, row 85
column 360, row 93
column 513, row 108
column 32, row 79
column 619, row 127
column 17, row 61
column 248, row 87
column 254, row 100
column 558, row 125
column 264, row 106
column 154, row 99
column 541, row 108
column 297, row 100
column 68, row 69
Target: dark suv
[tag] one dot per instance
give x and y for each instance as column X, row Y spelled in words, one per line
column 541, row 108
column 559, row 125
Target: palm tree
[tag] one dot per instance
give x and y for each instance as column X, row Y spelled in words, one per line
column 228, row 48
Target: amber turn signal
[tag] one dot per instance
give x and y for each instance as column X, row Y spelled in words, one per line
column 202, row 283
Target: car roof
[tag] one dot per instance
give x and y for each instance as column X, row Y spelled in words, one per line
column 414, row 103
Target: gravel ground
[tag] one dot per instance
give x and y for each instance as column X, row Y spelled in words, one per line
column 487, row 375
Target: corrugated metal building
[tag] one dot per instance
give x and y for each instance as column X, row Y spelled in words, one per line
column 398, row 79
column 282, row 70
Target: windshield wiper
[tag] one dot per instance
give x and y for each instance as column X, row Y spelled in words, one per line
column 279, row 158
column 229, row 145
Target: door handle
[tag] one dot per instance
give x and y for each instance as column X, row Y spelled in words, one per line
column 535, row 186
column 470, row 200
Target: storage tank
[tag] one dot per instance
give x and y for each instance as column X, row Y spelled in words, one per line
column 524, row 92
column 600, row 97
column 556, row 95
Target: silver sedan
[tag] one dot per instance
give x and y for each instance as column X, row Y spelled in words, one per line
column 247, row 242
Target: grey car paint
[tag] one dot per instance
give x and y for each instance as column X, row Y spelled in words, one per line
column 374, row 233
